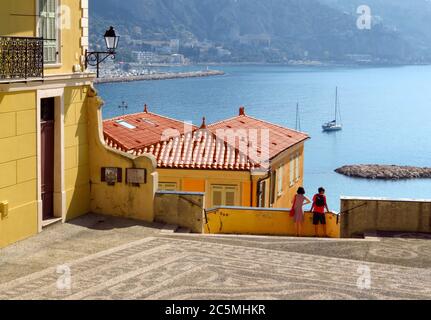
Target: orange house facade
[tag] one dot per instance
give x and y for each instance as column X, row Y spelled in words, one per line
column 238, row 162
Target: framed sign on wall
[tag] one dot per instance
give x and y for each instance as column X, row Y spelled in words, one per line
column 136, row 176
column 112, row 175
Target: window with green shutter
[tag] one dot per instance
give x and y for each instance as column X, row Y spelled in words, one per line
column 279, row 174
column 167, row 186
column 48, row 30
column 224, row 195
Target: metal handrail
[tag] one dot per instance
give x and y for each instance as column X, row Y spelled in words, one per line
column 349, row 210
column 355, row 208
column 29, row 38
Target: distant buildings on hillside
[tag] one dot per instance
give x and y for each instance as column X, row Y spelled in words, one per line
column 151, row 58
column 143, row 53
column 260, row 40
column 175, row 51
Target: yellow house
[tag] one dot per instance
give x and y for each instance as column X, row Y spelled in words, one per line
column 242, row 161
column 44, row 163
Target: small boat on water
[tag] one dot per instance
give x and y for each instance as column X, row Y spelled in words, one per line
column 334, row 125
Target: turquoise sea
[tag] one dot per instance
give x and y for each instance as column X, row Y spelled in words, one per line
column 386, row 114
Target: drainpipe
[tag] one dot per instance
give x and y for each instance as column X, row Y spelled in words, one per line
column 251, row 190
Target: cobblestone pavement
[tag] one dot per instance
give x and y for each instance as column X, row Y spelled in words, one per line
column 104, row 258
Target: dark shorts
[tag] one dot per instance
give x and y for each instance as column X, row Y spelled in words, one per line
column 319, row 218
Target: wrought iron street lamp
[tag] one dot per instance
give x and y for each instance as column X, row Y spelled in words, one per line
column 97, row 57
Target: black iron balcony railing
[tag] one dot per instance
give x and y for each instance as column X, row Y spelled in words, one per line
column 21, row 58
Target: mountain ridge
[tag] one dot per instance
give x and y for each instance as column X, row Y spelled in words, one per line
column 298, row 29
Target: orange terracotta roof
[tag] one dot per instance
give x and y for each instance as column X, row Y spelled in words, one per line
column 208, row 147
column 138, row 130
column 280, row 138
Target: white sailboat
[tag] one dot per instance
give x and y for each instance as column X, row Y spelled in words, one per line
column 334, row 125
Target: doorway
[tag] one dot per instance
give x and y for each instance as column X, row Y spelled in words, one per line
column 47, row 134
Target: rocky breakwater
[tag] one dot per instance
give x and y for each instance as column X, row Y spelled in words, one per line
column 160, row 76
column 383, row 172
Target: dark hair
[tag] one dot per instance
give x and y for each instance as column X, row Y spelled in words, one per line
column 322, row 190
column 301, row 190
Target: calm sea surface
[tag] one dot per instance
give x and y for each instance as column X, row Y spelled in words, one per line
column 386, row 114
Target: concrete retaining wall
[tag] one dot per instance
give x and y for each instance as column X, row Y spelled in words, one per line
column 373, row 214
column 184, row 209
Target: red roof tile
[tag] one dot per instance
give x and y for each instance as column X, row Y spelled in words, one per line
column 199, row 149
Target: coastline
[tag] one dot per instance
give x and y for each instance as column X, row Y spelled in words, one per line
column 211, row 73
column 315, row 64
column 162, row 76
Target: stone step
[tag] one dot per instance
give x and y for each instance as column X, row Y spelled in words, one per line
column 183, row 230
column 51, row 222
column 169, row 228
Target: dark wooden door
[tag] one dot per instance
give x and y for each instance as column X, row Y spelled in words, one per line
column 47, row 157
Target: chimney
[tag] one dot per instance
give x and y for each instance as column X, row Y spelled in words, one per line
column 242, row 111
column 203, row 125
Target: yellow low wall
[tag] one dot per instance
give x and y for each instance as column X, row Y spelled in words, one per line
column 261, row 221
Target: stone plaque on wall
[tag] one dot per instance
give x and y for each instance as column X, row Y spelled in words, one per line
column 137, row 176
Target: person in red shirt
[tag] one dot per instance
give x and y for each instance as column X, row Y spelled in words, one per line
column 318, row 209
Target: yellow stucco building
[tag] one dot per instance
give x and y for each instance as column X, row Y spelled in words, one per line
column 44, row 167
column 52, row 151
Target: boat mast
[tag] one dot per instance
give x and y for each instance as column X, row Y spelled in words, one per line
column 336, row 104
column 298, row 118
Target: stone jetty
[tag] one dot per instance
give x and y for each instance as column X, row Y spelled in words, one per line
column 161, row 76
column 385, row 172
